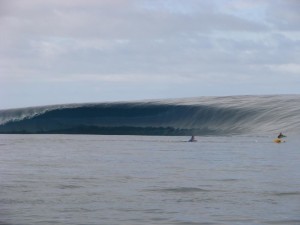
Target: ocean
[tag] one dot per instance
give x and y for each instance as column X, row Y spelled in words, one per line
column 55, row 170
column 95, row 179
column 232, row 115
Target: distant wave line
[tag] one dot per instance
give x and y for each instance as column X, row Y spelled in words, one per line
column 194, row 116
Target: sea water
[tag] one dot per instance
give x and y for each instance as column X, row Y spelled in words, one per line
column 107, row 180
column 229, row 115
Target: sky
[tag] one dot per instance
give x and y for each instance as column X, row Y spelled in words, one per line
column 80, row 51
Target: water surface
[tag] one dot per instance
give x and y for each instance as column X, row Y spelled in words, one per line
column 82, row 179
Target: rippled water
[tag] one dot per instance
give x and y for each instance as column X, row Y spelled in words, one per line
column 77, row 179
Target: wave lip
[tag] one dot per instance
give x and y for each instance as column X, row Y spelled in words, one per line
column 190, row 116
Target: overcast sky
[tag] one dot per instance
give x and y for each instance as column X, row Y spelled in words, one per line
column 73, row 51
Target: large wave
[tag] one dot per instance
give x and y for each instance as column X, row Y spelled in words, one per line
column 191, row 116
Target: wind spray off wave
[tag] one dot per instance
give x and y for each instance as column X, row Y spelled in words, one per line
column 191, row 116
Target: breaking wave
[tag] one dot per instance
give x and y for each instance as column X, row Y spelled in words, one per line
column 191, row 116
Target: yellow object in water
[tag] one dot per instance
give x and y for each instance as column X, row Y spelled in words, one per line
column 278, row 140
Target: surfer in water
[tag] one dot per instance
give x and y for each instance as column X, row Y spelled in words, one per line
column 279, row 138
column 280, row 135
column 192, row 139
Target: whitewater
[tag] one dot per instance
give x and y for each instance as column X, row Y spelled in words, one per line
column 231, row 115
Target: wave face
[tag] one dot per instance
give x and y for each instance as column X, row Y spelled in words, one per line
column 191, row 116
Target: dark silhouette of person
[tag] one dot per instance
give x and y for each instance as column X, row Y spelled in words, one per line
column 280, row 135
column 192, row 139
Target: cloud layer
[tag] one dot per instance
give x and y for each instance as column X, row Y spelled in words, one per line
column 55, row 51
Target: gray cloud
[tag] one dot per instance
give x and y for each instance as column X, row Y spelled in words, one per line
column 118, row 48
column 284, row 15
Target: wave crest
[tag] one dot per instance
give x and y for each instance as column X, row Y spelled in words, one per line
column 193, row 116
